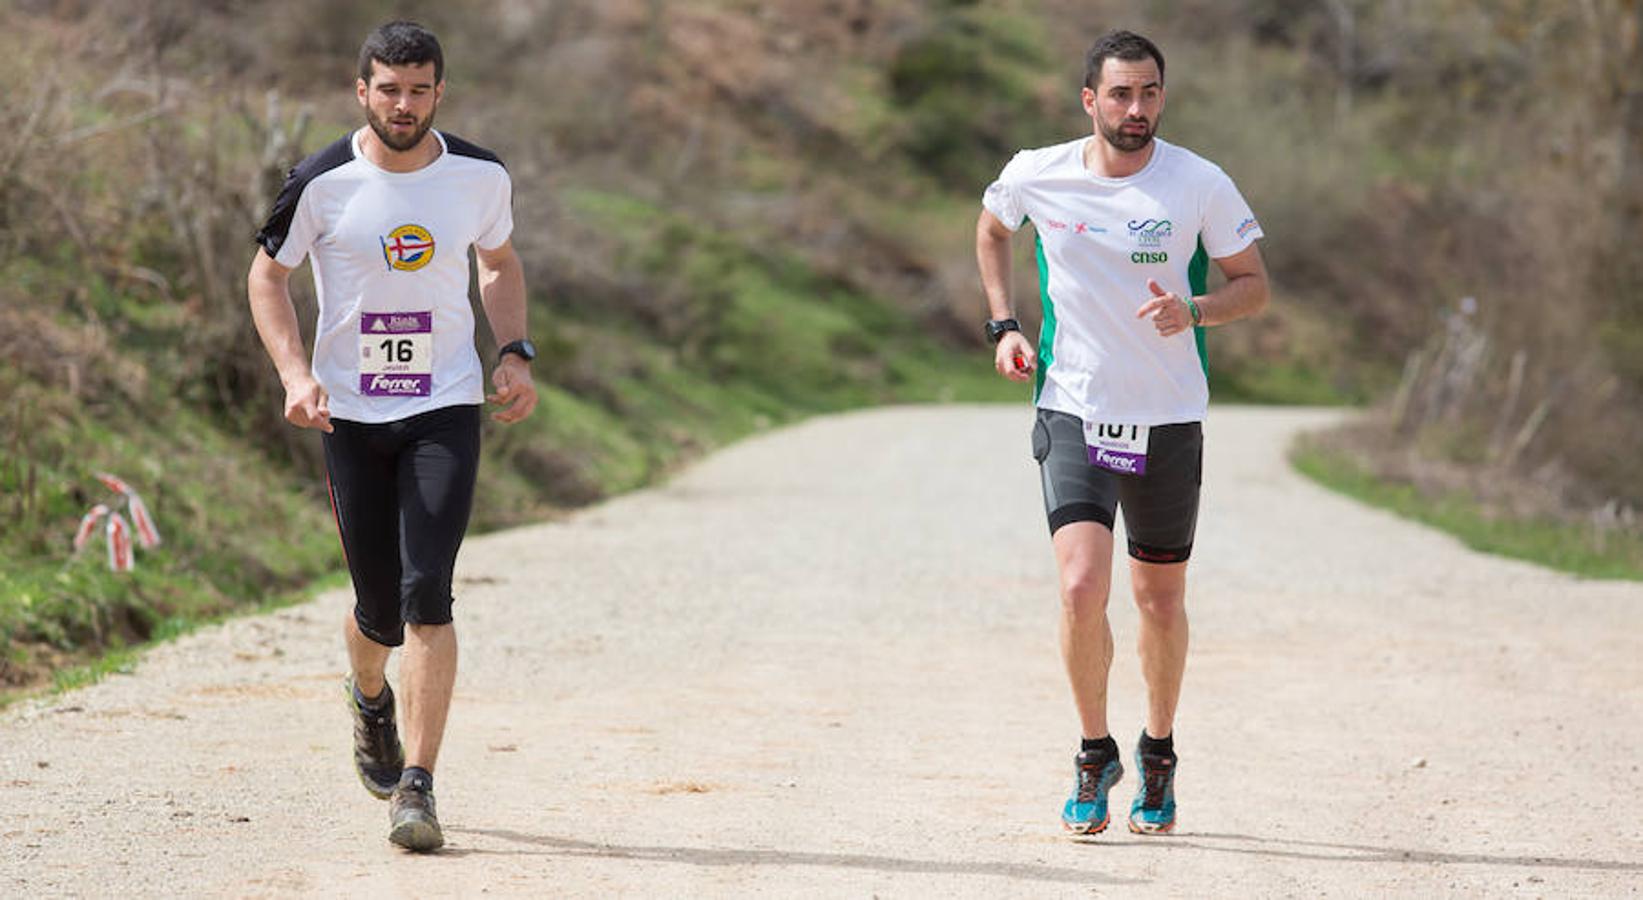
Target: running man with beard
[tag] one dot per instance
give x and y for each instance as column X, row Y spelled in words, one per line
column 1126, row 225
column 386, row 216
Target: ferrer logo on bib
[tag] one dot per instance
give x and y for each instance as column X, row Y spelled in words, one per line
column 407, row 248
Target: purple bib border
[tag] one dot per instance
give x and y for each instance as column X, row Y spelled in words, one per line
column 396, row 323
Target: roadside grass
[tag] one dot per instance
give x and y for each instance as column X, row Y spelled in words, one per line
column 1278, row 383
column 237, row 526
column 1577, row 549
column 239, row 522
column 121, row 657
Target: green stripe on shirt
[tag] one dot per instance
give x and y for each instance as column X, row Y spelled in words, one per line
column 1198, row 283
column 1046, row 333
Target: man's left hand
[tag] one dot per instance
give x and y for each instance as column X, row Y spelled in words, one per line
column 514, row 389
column 1170, row 314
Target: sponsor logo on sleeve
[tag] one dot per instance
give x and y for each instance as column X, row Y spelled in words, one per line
column 1247, row 226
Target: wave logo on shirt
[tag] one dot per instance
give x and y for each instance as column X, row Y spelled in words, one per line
column 1246, row 226
column 1150, row 232
column 407, row 248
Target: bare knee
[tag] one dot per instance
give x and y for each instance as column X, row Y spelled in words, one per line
column 424, row 633
column 1084, row 593
column 1161, row 606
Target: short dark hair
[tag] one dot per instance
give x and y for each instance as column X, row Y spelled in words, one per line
column 1124, row 45
column 401, row 43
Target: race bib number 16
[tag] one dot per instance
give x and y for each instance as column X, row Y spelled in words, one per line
column 396, row 354
column 1117, row 447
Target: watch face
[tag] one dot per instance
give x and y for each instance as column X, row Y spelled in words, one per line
column 528, row 348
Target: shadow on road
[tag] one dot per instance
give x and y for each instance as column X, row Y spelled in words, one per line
column 1320, row 851
column 704, row 856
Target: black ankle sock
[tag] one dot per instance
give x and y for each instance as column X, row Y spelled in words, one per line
column 418, row 777
column 1105, row 746
column 377, row 702
column 1164, row 746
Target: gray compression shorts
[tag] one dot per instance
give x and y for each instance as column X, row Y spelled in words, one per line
column 1160, row 507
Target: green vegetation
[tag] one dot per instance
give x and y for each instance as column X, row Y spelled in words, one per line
column 1573, row 548
column 1284, row 382
column 733, row 215
column 128, row 349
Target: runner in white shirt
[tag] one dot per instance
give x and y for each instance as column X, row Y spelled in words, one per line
column 1126, row 225
column 386, row 216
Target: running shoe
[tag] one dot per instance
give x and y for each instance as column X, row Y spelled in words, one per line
column 1086, row 809
column 378, row 757
column 1153, row 811
column 412, row 822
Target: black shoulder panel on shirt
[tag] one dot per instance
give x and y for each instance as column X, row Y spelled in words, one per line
column 461, row 147
column 337, row 153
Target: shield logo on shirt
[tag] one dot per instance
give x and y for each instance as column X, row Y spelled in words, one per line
column 407, row 248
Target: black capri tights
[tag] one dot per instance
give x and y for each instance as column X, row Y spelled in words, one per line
column 402, row 493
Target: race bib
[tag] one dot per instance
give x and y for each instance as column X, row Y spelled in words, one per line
column 396, row 354
column 1117, row 447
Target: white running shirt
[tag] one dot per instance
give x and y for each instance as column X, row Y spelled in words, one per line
column 390, row 259
column 1101, row 239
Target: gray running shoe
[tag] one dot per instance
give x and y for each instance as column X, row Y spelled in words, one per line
column 378, row 757
column 412, row 822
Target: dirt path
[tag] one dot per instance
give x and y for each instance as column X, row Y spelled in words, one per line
column 822, row 663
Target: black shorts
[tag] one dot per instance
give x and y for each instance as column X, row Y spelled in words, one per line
column 1160, row 507
column 402, row 492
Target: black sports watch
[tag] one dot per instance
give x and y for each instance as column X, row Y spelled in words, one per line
column 997, row 327
column 523, row 349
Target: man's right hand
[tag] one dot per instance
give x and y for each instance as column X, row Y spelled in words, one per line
column 306, row 404
column 1014, row 357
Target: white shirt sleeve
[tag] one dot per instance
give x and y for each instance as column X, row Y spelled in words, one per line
column 1228, row 226
column 1003, row 197
column 499, row 214
column 304, row 231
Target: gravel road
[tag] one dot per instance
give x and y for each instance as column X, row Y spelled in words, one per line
column 822, row 663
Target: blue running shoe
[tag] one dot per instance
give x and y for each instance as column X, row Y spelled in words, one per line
column 1086, row 809
column 1153, row 811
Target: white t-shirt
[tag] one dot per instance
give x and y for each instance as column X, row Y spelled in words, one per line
column 1101, row 239
column 390, row 258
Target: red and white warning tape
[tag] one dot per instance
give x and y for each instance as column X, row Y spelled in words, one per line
column 88, row 524
column 121, row 557
column 147, row 534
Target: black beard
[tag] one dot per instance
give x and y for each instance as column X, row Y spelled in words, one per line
column 399, row 145
column 1127, row 143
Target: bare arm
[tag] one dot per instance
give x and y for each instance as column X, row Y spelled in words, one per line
column 268, row 286
column 1244, row 294
column 502, row 293
column 1246, row 290
column 1014, row 357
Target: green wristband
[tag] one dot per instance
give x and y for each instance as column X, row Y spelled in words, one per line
column 1197, row 314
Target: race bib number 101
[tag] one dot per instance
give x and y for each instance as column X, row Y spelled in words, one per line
column 1117, row 447
column 396, row 352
